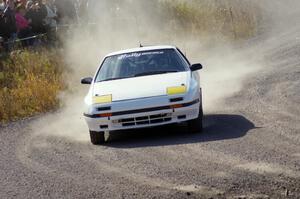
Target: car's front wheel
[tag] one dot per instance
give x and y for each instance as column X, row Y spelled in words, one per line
column 97, row 138
column 196, row 125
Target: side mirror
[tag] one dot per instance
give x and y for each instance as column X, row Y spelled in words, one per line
column 87, row 80
column 196, row 67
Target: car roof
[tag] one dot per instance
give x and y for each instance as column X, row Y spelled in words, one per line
column 141, row 49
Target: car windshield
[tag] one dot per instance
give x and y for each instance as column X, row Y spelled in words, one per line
column 138, row 64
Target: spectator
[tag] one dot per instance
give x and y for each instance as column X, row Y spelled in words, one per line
column 22, row 2
column 23, row 28
column 21, row 22
column 1, row 44
column 36, row 14
column 25, row 18
column 10, row 4
column 28, row 5
column 51, row 17
column 50, row 21
column 8, row 20
column 2, row 21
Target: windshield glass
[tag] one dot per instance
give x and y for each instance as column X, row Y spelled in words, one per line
column 141, row 64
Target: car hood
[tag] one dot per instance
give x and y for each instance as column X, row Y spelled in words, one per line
column 141, row 87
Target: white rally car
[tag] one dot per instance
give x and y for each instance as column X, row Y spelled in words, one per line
column 143, row 87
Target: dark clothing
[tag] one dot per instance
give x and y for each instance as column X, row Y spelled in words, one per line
column 24, row 34
column 3, row 27
column 7, row 24
column 37, row 17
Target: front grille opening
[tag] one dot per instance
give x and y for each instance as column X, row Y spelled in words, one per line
column 104, row 126
column 143, row 123
column 156, row 121
column 142, row 118
column 181, row 117
column 157, row 116
column 107, row 108
column 127, row 120
column 176, row 99
column 167, row 119
column 129, row 124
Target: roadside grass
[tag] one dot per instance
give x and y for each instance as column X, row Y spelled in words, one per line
column 30, row 81
column 230, row 19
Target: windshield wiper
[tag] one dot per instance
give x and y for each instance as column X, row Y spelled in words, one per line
column 114, row 78
column 155, row 73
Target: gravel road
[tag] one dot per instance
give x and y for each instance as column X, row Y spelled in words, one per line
column 250, row 148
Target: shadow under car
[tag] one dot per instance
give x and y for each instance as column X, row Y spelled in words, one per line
column 216, row 127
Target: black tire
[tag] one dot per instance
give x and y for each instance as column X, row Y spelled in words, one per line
column 196, row 125
column 97, row 138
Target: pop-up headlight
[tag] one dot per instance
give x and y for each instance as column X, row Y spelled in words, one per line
column 176, row 90
column 102, row 99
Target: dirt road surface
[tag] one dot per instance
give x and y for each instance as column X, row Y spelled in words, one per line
column 250, row 148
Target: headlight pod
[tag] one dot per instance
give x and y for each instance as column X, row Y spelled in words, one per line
column 176, row 90
column 102, row 99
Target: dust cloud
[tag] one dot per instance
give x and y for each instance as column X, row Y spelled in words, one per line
column 227, row 64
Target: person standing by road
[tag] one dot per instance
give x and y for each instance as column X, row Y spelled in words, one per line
column 23, row 25
column 36, row 14
column 50, row 20
column 9, row 19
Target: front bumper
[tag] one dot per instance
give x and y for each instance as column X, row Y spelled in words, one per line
column 143, row 116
